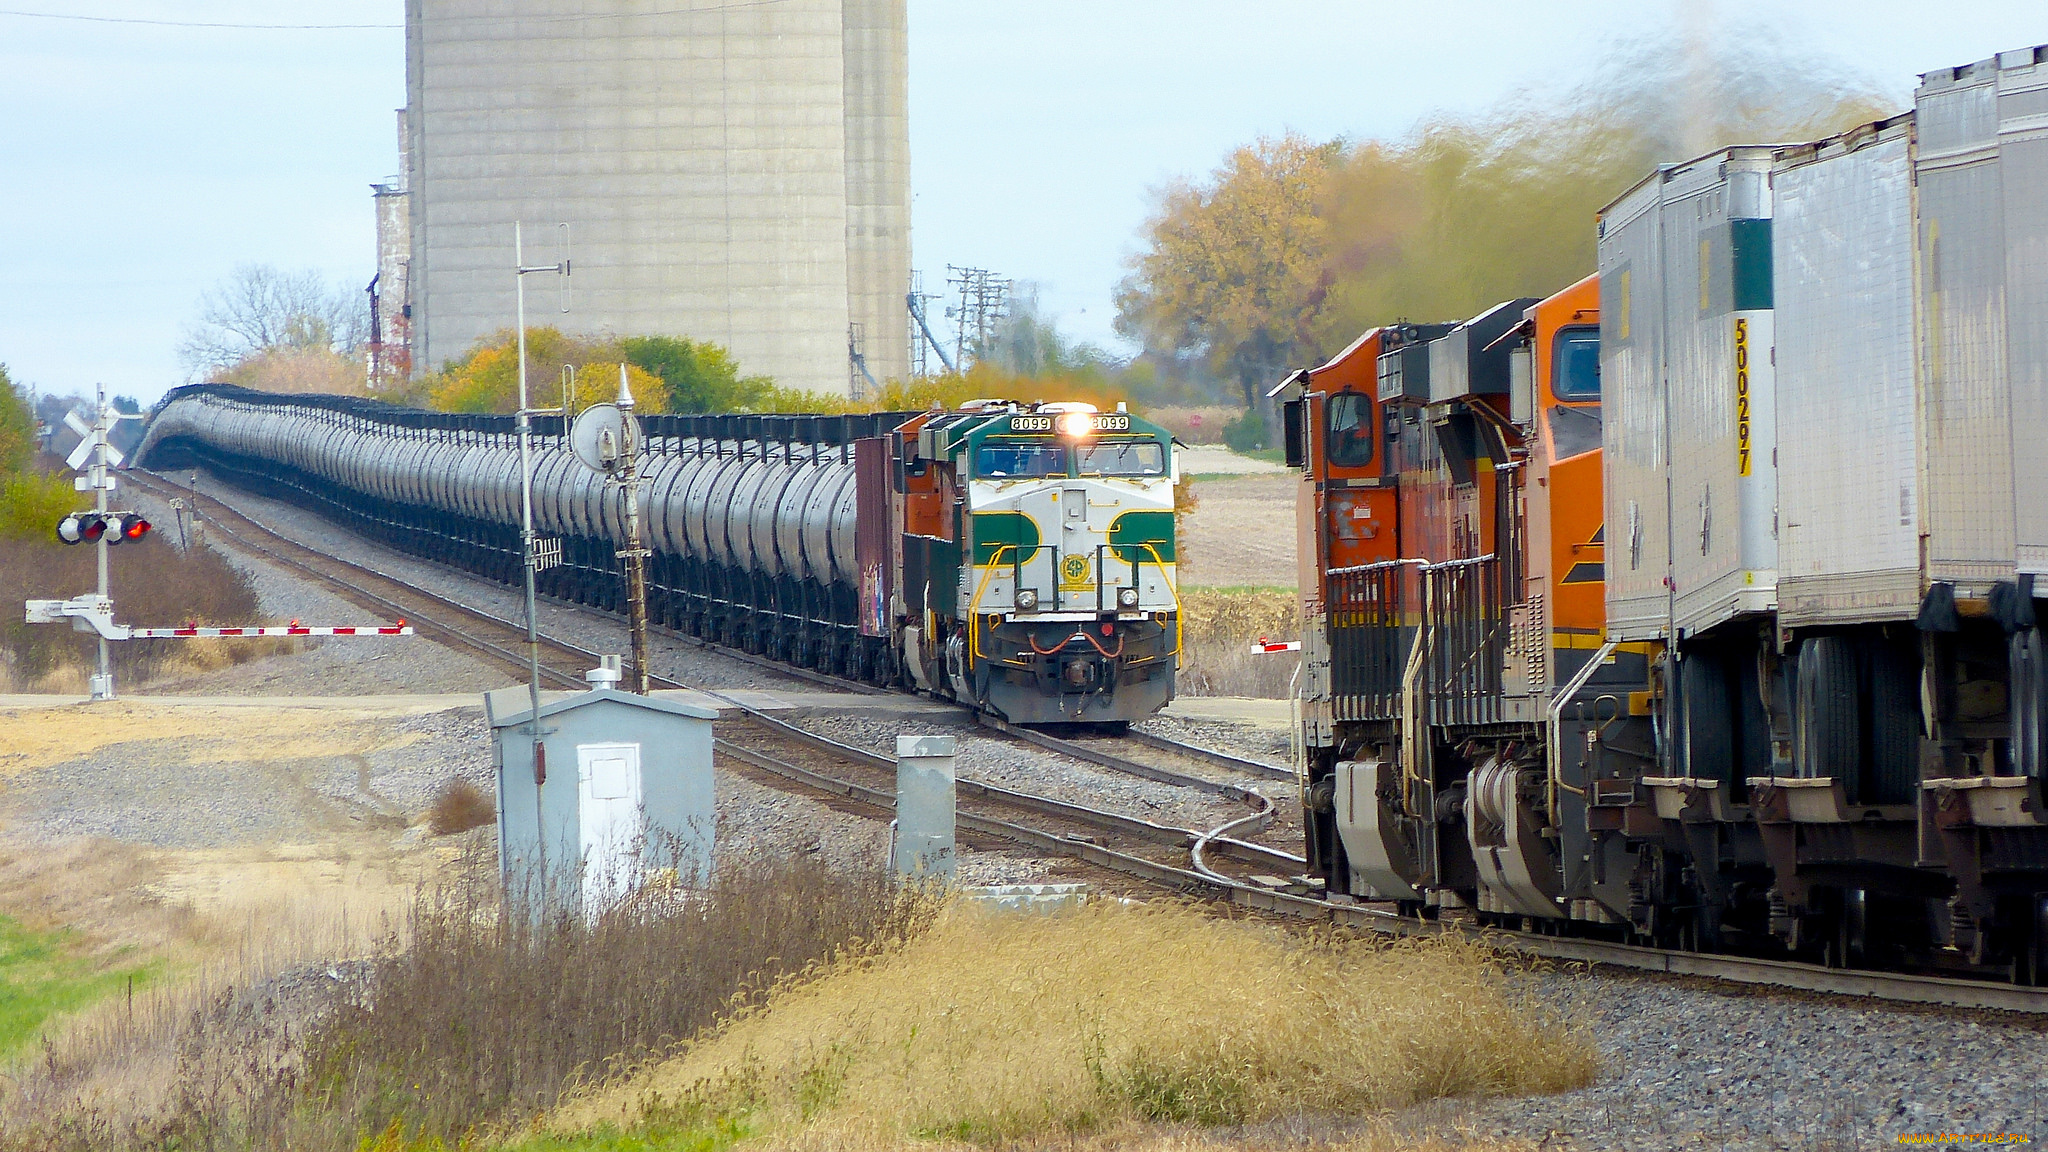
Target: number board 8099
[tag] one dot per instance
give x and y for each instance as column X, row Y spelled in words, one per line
column 1097, row 422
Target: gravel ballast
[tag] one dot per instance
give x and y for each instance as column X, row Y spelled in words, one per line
column 1691, row 1065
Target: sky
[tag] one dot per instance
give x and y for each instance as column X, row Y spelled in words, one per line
column 140, row 164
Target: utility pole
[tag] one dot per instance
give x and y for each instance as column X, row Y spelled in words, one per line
column 921, row 330
column 984, row 303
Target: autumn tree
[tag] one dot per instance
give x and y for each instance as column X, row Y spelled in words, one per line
column 17, row 426
column 486, row 378
column 262, row 309
column 1234, row 270
column 1467, row 212
column 697, row 375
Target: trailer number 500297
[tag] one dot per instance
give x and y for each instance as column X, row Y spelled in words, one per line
column 1741, row 396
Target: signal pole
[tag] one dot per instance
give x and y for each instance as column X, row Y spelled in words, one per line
column 530, row 560
column 525, row 423
column 102, row 684
column 97, row 456
column 635, row 553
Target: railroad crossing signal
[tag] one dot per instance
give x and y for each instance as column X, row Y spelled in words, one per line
column 93, row 612
column 91, row 527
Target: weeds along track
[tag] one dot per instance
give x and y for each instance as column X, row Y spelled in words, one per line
column 1127, row 846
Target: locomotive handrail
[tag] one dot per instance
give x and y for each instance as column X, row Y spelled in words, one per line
column 1180, row 616
column 974, row 605
column 1553, row 753
column 1375, row 566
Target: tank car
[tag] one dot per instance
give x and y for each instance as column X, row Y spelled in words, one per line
column 1711, row 619
column 1017, row 558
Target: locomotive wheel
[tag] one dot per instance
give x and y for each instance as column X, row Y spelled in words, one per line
column 1827, row 734
column 1708, row 718
column 1895, row 727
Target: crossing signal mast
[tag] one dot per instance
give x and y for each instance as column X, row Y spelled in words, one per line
column 96, row 457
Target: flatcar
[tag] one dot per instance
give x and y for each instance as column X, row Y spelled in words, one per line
column 1016, row 558
column 1696, row 602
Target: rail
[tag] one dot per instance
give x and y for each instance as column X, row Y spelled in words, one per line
column 1897, row 987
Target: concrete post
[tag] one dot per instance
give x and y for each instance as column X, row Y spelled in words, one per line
column 924, row 806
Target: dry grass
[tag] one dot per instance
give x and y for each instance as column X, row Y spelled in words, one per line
column 110, row 1076
column 1222, row 624
column 459, row 806
column 1196, row 425
column 44, row 736
column 152, row 582
column 460, row 1021
column 996, row 1029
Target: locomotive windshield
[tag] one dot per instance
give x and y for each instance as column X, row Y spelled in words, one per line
column 1122, row 458
column 1575, row 364
column 1014, row 459
column 1575, row 379
column 1350, row 440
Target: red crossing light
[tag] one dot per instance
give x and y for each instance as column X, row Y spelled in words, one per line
column 81, row 528
column 125, row 526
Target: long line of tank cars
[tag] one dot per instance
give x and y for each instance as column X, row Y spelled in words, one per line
column 1019, row 559
column 1697, row 602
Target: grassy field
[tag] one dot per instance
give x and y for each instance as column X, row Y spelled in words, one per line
column 46, row 974
column 1221, row 627
column 1054, row 1031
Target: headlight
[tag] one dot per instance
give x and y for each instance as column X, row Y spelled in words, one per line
column 1127, row 597
column 1027, row 599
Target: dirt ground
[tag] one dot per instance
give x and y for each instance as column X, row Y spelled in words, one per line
column 187, row 832
column 1241, row 533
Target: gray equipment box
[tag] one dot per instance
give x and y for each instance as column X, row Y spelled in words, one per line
column 1471, row 359
column 1689, row 423
column 621, row 790
column 1849, row 462
column 1404, row 362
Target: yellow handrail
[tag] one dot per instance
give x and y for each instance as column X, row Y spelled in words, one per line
column 1180, row 616
column 974, row 605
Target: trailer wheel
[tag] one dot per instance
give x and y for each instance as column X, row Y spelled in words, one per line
column 1827, row 736
column 1895, row 727
column 1706, row 717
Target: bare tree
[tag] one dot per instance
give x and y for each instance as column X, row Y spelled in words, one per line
column 260, row 308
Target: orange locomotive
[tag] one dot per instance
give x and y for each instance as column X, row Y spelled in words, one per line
column 1460, row 710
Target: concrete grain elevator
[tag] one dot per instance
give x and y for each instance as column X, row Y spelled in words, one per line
column 738, row 173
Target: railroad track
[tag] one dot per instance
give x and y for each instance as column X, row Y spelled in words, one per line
column 562, row 663
column 488, row 635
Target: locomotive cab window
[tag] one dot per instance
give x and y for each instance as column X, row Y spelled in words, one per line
column 1019, row 459
column 1351, row 430
column 1575, row 380
column 1121, row 458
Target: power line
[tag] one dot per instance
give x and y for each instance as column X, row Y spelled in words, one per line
column 188, row 23
column 693, row 11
